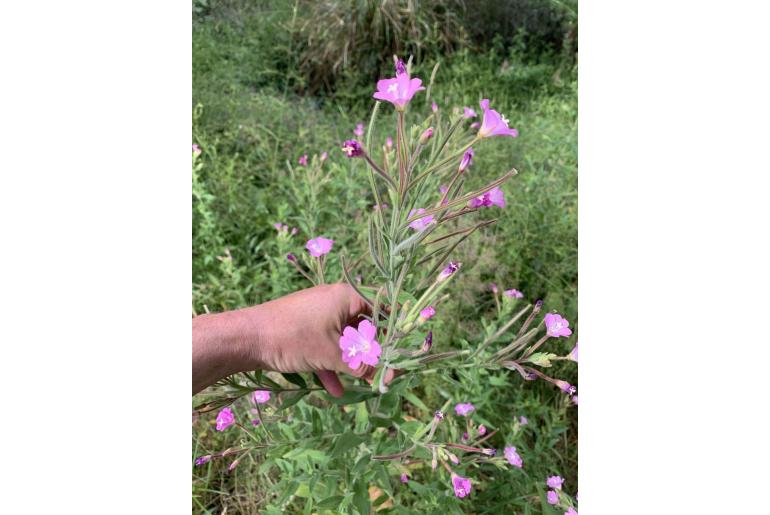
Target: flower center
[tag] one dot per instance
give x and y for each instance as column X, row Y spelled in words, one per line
column 393, row 88
column 504, row 119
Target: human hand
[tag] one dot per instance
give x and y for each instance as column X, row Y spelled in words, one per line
column 296, row 333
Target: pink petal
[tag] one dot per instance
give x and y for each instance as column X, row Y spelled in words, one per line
column 367, row 330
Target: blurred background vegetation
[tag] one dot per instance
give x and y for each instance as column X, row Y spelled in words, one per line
column 273, row 80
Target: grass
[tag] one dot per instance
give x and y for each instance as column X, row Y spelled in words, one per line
column 252, row 127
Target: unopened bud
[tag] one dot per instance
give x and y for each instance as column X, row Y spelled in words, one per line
column 489, row 452
column 400, row 67
column 428, row 343
column 454, row 459
column 233, row 465
column 291, row 257
column 482, row 429
column 428, row 134
column 466, row 161
column 447, row 272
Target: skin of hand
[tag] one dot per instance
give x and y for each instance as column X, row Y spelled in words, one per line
column 296, row 333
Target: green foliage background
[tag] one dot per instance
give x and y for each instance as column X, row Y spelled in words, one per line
column 261, row 105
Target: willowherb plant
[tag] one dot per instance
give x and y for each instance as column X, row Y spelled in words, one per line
column 421, row 212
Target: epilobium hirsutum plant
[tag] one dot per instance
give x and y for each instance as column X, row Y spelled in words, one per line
column 421, row 211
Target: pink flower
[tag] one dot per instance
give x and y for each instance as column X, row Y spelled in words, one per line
column 420, row 223
column 465, row 436
column 426, row 135
column 553, row 497
column 466, row 160
column 556, row 325
column 450, row 269
column 461, row 485
column 352, row 148
column 260, row 396
column 400, row 89
column 493, row 287
column 554, row 482
column 482, row 429
column 513, row 292
column 404, row 478
column 468, row 112
column 427, row 313
column 225, row 419
column 294, row 231
column 513, row 457
column 443, row 189
column 494, row 124
column 475, row 125
column 575, row 399
column 203, row 459
column 571, row 511
column 359, row 130
column 291, row 257
column 319, row 246
column 359, row 346
column 574, row 354
column 494, row 197
column 523, row 420
column 324, row 156
column 389, row 142
column 464, row 408
column 196, row 149
column 303, row 160
column 256, row 422
column 277, row 226
column 434, row 107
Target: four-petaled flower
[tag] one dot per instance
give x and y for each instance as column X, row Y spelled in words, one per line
column 319, row 246
column 513, row 292
column 359, row 130
column 556, row 325
column 261, row 396
column 461, row 485
column 464, row 408
column 225, row 419
column 554, row 482
column 359, row 346
column 553, row 497
column 513, row 457
column 400, row 89
column 427, row 313
column 303, row 160
column 352, row 148
column 420, row 223
column 494, row 124
column 494, row 197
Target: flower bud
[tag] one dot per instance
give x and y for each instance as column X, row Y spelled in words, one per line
column 426, row 314
column 324, row 156
column 434, row 107
column 352, row 148
column 453, row 458
column 291, row 257
column 233, row 464
column 489, row 452
column 493, row 286
column 203, row 459
column 404, row 478
column 389, row 143
column 466, row 161
column 451, row 268
column 428, row 343
column 482, row 429
column 428, row 134
column 400, row 67
column 565, row 387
